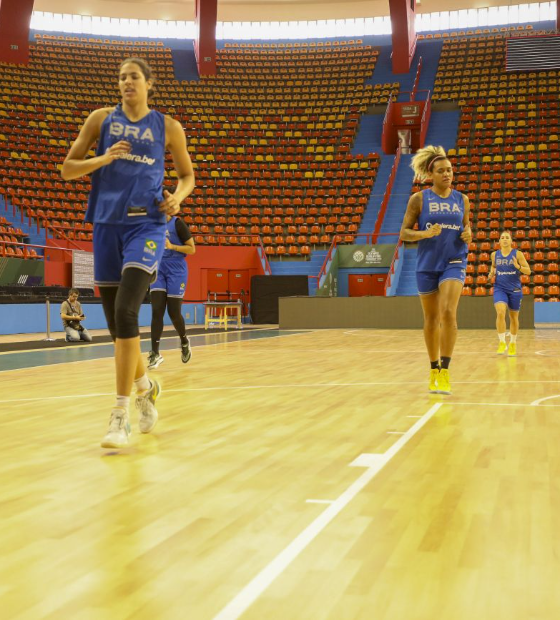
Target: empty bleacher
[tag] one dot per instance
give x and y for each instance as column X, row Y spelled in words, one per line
column 269, row 136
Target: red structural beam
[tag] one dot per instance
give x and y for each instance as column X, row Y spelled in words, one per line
column 206, row 17
column 15, row 17
column 403, row 16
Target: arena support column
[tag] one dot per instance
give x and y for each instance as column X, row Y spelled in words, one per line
column 403, row 15
column 15, row 17
column 206, row 16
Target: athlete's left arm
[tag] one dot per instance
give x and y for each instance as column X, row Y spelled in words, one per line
column 184, row 234
column 176, row 142
column 520, row 262
column 466, row 235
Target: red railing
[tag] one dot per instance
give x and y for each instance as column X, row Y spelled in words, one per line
column 386, row 196
column 26, row 254
column 425, row 120
column 416, row 80
column 392, row 267
column 387, row 124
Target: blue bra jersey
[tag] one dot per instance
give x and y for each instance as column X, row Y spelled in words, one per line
column 171, row 234
column 130, row 188
column 507, row 276
column 436, row 253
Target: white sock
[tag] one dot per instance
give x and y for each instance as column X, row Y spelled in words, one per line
column 123, row 402
column 502, row 337
column 513, row 337
column 143, row 383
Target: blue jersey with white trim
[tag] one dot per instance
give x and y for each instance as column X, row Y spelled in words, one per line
column 437, row 253
column 507, row 275
column 131, row 187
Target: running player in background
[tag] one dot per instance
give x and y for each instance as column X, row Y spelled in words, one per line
column 169, row 289
column 507, row 265
column 128, row 208
column 442, row 215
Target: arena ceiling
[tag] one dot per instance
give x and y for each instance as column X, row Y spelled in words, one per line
column 252, row 10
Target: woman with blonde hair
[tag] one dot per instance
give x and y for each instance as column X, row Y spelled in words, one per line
column 443, row 233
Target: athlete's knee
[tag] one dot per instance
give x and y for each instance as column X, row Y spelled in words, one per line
column 449, row 315
column 431, row 320
column 174, row 311
column 126, row 320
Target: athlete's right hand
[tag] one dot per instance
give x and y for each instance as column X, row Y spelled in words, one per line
column 433, row 231
column 117, row 150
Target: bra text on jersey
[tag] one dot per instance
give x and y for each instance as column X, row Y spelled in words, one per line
column 443, row 207
column 126, row 131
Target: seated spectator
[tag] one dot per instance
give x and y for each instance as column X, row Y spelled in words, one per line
column 72, row 315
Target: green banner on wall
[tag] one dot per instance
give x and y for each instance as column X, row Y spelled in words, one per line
column 21, row 271
column 352, row 256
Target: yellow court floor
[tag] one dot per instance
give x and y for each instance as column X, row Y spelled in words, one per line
column 293, row 476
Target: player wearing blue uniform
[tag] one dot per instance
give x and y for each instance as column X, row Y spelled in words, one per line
column 442, row 215
column 507, row 265
column 128, row 206
column 169, row 289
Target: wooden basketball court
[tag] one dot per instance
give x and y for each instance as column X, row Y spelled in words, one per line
column 297, row 475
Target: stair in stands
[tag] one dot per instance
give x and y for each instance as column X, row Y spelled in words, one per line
column 398, row 201
column 407, row 280
column 376, row 197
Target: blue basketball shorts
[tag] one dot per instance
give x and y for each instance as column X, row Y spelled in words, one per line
column 118, row 246
column 511, row 298
column 430, row 281
column 171, row 278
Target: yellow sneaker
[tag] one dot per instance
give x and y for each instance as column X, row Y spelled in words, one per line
column 433, row 388
column 512, row 349
column 444, row 385
column 502, row 348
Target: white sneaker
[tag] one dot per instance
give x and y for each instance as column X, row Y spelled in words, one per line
column 119, row 430
column 145, row 403
column 154, row 360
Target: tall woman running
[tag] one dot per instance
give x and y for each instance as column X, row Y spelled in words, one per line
column 442, row 215
column 169, row 289
column 507, row 264
column 128, row 208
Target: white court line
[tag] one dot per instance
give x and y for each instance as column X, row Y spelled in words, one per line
column 282, row 386
column 537, row 402
column 397, row 432
column 319, row 501
column 545, row 353
column 533, row 404
column 249, row 594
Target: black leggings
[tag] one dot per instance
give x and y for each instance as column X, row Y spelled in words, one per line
column 174, row 304
column 121, row 304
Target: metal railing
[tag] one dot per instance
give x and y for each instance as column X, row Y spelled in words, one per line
column 392, row 267
column 386, row 196
column 416, row 80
